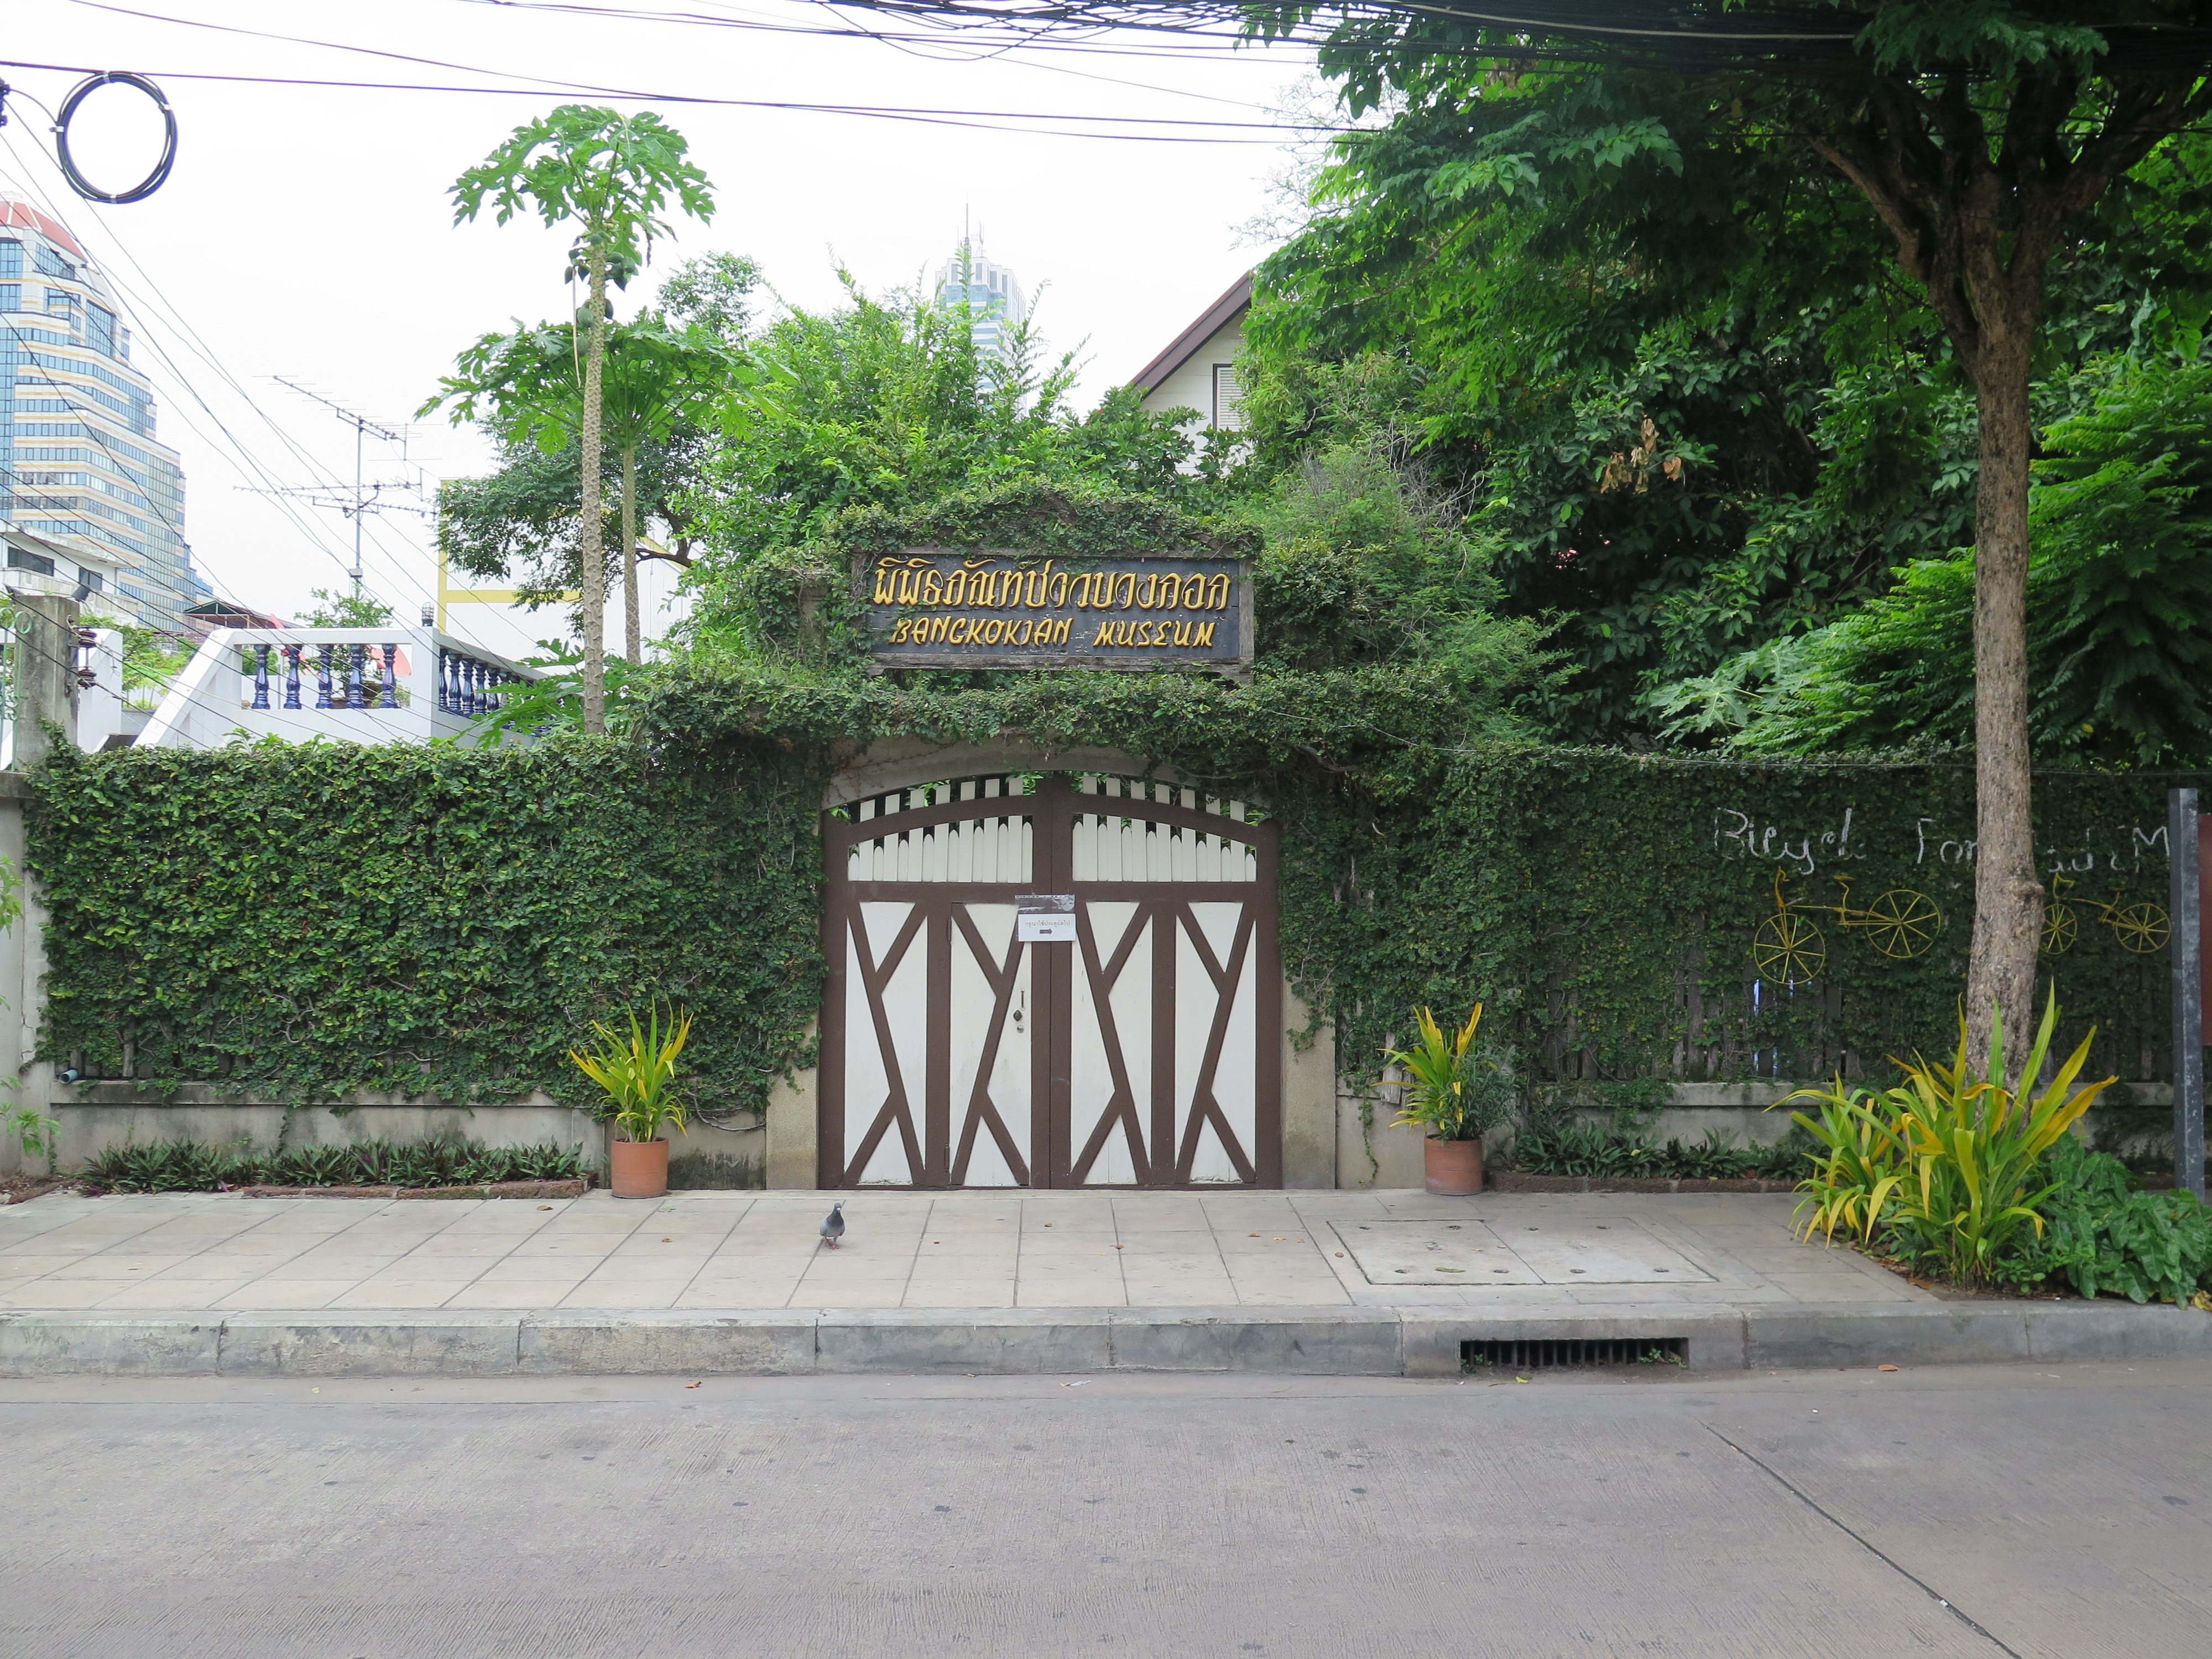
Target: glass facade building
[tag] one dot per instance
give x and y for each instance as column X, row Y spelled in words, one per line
column 80, row 466
column 996, row 306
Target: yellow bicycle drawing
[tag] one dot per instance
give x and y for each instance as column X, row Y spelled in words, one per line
column 2142, row 928
column 1787, row 945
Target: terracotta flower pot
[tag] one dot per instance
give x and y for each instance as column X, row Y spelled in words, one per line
column 1454, row 1168
column 638, row 1169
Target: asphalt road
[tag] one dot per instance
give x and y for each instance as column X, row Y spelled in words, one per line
column 1979, row 1511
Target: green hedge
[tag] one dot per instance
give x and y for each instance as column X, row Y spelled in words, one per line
column 298, row 923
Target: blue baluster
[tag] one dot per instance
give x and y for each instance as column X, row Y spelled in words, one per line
column 496, row 702
column 261, row 676
column 472, row 677
column 354, row 697
column 323, row 676
column 444, row 702
column 453, row 682
column 391, row 678
column 291, row 677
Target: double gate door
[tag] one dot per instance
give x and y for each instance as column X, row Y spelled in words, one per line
column 1145, row 1052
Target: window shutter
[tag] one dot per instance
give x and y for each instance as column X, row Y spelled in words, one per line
column 1228, row 400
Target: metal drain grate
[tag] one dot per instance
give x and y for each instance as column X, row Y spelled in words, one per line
column 1576, row 1350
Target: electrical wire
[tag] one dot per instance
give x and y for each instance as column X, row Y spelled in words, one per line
column 252, row 465
column 977, row 121
column 241, row 454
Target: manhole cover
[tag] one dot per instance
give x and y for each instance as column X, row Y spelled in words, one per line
column 1595, row 1251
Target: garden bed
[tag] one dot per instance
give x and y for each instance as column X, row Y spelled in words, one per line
column 1516, row 1180
column 492, row 1189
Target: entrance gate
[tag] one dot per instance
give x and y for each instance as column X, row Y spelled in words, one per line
column 1144, row 1053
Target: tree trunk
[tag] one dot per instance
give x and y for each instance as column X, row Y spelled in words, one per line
column 2007, row 896
column 633, row 648
column 592, row 577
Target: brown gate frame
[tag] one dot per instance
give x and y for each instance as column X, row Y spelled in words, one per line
column 1052, row 811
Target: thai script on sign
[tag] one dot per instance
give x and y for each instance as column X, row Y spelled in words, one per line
column 938, row 606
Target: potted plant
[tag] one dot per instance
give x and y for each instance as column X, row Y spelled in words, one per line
column 638, row 1072
column 1455, row 1096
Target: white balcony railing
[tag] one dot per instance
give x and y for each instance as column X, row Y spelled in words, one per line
column 343, row 685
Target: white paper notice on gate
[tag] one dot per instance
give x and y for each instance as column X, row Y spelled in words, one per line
column 1044, row 918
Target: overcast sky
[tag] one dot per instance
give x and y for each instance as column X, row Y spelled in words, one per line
column 306, row 232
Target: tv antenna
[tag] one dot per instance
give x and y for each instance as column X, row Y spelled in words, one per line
column 366, row 497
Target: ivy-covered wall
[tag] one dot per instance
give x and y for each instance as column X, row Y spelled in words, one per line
column 294, row 924
column 298, row 923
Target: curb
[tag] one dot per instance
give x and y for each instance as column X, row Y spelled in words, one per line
column 1341, row 1341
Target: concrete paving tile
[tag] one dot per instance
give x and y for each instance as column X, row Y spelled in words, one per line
column 176, row 1294
column 35, row 1267
column 979, row 1293
column 616, row 1297
column 303, row 1293
column 73, row 1293
column 113, row 1265
column 509, row 1296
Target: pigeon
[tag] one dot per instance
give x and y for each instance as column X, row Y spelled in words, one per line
column 833, row 1225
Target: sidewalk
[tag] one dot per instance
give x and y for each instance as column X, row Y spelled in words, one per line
column 1376, row 1283
column 1027, row 1249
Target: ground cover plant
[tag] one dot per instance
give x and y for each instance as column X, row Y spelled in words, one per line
column 188, row 1166
column 1597, row 1149
column 2103, row 1234
column 1984, row 1184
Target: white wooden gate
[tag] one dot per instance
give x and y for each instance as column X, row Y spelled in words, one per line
column 1142, row 1053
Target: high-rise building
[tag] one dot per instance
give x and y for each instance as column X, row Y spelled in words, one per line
column 996, row 306
column 97, row 504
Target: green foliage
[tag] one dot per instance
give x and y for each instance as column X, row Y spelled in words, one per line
column 2101, row 1234
column 341, row 609
column 1861, row 1163
column 612, row 175
column 187, row 1166
column 636, row 1070
column 1659, row 341
column 1950, row 1164
column 1452, row 1090
column 527, row 386
column 889, row 404
column 2119, row 606
column 301, row 923
column 1592, row 1149
column 34, row 1131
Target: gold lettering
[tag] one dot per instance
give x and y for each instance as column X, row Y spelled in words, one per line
column 994, row 630
column 1017, row 633
column 1009, row 589
column 931, row 591
column 956, row 589
column 1150, row 591
column 1101, row 638
column 937, row 625
column 1183, row 632
column 1059, row 634
column 899, row 628
column 1056, row 591
column 1084, row 584
column 957, row 634
column 903, row 594
column 1217, row 593
column 1193, row 592
column 885, row 582
column 1203, row 635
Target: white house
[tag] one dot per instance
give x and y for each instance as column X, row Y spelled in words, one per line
column 1198, row 369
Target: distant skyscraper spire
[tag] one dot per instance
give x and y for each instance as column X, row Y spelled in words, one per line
column 994, row 297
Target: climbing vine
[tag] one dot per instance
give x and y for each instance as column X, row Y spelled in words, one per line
column 299, row 923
